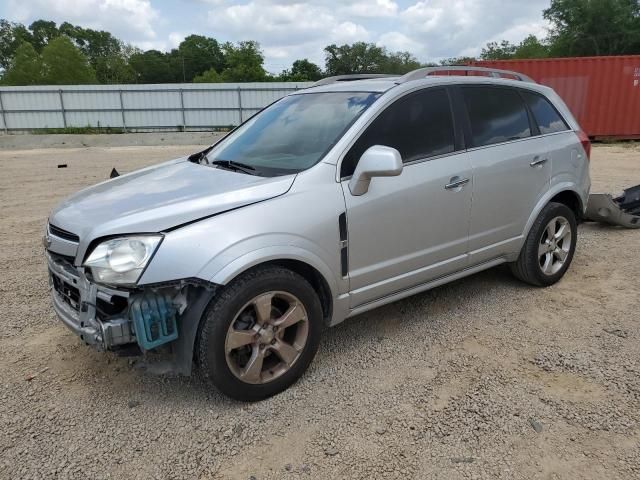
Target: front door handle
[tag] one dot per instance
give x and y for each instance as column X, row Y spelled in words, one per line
column 538, row 161
column 456, row 182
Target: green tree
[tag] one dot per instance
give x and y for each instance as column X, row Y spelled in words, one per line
column 498, row 51
column 243, row 62
column 12, row 35
column 152, row 66
column 25, row 67
column 197, row 54
column 531, row 47
column 453, row 61
column 362, row 57
column 359, row 57
column 594, row 27
column 42, row 32
column 301, row 71
column 64, row 64
column 94, row 44
column 209, row 76
column 114, row 69
column 399, row 63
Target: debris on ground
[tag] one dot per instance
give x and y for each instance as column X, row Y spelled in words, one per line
column 537, row 426
column 623, row 210
column 34, row 375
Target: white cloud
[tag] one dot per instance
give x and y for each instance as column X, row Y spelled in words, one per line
column 175, row 38
column 287, row 30
column 450, row 28
column 292, row 29
column 124, row 18
column 399, row 42
column 375, row 8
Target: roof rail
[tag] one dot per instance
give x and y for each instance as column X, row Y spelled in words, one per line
column 493, row 72
column 351, row 78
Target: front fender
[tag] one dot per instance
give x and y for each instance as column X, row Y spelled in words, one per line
column 221, row 275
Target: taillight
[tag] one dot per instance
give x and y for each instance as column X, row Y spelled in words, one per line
column 586, row 144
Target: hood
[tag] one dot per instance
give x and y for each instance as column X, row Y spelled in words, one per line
column 161, row 197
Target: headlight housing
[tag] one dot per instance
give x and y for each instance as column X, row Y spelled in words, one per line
column 120, row 261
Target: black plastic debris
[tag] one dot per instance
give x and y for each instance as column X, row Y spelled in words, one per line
column 62, row 165
column 114, row 173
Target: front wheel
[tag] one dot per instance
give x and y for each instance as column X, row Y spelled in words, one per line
column 260, row 334
column 549, row 247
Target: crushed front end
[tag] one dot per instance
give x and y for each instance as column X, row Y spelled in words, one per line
column 161, row 317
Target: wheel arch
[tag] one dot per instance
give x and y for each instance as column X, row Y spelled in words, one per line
column 304, row 263
column 565, row 193
column 571, row 199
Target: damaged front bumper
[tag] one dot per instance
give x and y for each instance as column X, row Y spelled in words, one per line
column 108, row 318
column 75, row 301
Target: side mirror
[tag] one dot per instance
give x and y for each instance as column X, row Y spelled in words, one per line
column 377, row 161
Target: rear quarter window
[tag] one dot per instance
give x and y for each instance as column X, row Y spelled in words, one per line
column 496, row 115
column 546, row 115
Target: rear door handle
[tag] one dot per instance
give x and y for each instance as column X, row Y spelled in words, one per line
column 538, row 161
column 456, row 182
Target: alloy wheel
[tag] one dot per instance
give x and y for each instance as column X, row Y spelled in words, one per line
column 266, row 337
column 554, row 246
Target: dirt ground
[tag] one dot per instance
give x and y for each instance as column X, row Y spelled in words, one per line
column 482, row 378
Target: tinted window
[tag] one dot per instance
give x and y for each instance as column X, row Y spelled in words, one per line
column 496, row 115
column 294, row 133
column 418, row 126
column 547, row 117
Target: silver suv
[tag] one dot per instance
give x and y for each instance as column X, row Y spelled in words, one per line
column 334, row 200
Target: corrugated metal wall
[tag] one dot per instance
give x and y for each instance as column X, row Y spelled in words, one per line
column 603, row 93
column 185, row 106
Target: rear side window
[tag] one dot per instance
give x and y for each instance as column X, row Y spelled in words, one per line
column 496, row 115
column 419, row 125
column 547, row 117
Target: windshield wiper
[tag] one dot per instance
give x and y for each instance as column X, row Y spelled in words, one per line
column 236, row 166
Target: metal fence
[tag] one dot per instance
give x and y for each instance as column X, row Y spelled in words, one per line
column 185, row 106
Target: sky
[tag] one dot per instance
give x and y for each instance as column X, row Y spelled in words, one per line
column 292, row 29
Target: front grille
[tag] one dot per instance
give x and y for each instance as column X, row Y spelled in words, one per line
column 58, row 232
column 65, row 261
column 68, row 293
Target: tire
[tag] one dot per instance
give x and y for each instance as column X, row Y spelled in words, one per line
column 533, row 265
column 251, row 309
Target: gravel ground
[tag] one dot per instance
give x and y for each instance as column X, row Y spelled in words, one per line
column 64, row 140
column 482, row 378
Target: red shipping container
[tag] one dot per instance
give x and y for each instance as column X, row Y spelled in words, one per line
column 603, row 93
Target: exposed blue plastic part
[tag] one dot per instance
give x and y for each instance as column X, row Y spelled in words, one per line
column 154, row 320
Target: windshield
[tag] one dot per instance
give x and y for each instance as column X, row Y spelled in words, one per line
column 293, row 134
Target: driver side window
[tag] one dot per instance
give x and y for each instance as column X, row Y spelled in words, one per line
column 418, row 125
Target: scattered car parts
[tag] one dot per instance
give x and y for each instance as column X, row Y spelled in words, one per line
column 623, row 211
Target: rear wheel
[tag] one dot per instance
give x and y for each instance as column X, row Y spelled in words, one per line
column 549, row 247
column 260, row 334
